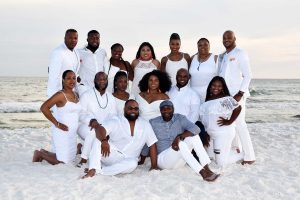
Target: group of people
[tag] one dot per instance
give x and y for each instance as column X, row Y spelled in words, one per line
column 180, row 110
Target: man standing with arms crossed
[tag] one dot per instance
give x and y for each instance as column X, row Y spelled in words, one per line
column 234, row 67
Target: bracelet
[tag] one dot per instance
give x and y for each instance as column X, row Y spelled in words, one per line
column 105, row 139
column 57, row 125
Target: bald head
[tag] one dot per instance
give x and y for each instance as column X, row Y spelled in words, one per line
column 229, row 40
column 182, row 77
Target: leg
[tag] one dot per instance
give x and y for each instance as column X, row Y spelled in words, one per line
column 88, row 142
column 39, row 156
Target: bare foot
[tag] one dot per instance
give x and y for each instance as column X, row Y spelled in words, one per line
column 248, row 162
column 82, row 161
column 36, row 156
column 90, row 173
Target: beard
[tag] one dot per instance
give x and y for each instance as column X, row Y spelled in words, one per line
column 98, row 87
column 131, row 117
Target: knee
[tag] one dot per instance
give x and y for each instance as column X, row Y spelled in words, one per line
column 220, row 160
column 132, row 165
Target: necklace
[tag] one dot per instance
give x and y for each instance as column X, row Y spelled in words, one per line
column 99, row 102
column 204, row 60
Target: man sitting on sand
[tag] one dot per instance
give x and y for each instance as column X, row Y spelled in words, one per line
column 177, row 136
column 127, row 136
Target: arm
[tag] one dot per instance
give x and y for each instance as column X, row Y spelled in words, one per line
column 54, row 73
column 101, row 136
column 153, row 156
column 163, row 64
column 188, row 59
column 194, row 108
column 181, row 137
column 156, row 63
column 246, row 71
column 130, row 71
column 234, row 115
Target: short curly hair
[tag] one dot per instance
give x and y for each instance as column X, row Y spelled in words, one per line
column 163, row 77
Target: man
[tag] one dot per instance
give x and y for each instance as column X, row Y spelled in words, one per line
column 92, row 60
column 177, row 136
column 127, row 136
column 234, row 67
column 98, row 105
column 185, row 100
column 63, row 58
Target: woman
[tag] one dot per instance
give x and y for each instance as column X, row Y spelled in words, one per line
column 218, row 113
column 64, row 134
column 203, row 68
column 120, row 94
column 153, row 87
column 176, row 59
column 145, row 62
column 116, row 63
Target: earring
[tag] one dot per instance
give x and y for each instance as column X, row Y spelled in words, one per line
column 148, row 91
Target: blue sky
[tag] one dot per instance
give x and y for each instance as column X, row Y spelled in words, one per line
column 268, row 30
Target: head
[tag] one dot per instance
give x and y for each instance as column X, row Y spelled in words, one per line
column 182, row 77
column 217, row 88
column 229, row 40
column 68, row 79
column 131, row 110
column 100, row 81
column 145, row 52
column 93, row 39
column 174, row 43
column 203, row 46
column 120, row 81
column 71, row 38
column 166, row 110
column 155, row 80
column 116, row 51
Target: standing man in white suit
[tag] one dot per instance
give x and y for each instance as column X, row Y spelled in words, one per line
column 234, row 67
column 64, row 57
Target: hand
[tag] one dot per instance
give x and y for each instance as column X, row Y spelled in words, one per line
column 175, row 143
column 105, row 149
column 223, row 122
column 78, row 79
column 93, row 124
column 62, row 127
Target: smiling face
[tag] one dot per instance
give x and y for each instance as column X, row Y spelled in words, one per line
column 153, row 82
column 116, row 53
column 167, row 112
column 131, row 110
column 174, row 46
column 146, row 53
column 71, row 39
column 203, row 47
column 100, row 81
column 216, row 88
column 182, row 78
column 229, row 40
column 121, row 83
column 69, row 81
column 93, row 40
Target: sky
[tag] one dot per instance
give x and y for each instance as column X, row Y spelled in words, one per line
column 268, row 30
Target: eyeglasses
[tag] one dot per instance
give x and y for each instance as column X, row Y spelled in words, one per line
column 133, row 108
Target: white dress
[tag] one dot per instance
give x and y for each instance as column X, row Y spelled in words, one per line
column 65, row 142
column 148, row 110
column 121, row 103
column 173, row 66
column 201, row 75
column 142, row 68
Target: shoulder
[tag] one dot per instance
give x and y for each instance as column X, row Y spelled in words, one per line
column 186, row 56
column 164, row 59
column 156, row 62
column 155, row 120
column 194, row 56
column 135, row 62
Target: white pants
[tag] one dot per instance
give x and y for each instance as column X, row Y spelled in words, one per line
column 243, row 133
column 115, row 163
column 88, row 136
column 171, row 159
column 221, row 143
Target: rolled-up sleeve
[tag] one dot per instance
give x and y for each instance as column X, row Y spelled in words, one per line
column 246, row 71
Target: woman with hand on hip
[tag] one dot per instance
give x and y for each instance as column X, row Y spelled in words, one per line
column 175, row 60
column 64, row 134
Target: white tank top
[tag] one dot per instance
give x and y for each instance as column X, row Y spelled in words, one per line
column 201, row 75
column 173, row 66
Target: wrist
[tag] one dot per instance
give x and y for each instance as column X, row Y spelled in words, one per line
column 92, row 121
column 104, row 140
column 240, row 93
column 56, row 124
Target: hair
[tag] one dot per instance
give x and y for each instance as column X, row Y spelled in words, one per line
column 123, row 61
column 92, row 32
column 129, row 100
column 225, row 88
column 117, row 76
column 71, row 30
column 138, row 53
column 203, row 39
column 164, row 81
column 64, row 76
column 174, row 36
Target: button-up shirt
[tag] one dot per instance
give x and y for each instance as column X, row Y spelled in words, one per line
column 166, row 132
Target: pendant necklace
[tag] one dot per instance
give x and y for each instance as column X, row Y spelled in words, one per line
column 99, row 102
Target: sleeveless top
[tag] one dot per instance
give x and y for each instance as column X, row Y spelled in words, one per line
column 148, row 110
column 201, row 75
column 173, row 66
column 142, row 68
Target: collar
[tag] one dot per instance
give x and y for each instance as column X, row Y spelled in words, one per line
column 182, row 89
column 65, row 47
column 86, row 49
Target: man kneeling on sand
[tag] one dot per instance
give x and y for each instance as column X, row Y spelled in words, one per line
column 127, row 136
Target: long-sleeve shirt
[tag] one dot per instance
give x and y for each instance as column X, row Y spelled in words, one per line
column 166, row 132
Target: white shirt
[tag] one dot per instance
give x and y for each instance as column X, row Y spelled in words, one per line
column 97, row 107
column 118, row 129
column 61, row 59
column 234, row 67
column 186, row 102
column 90, row 64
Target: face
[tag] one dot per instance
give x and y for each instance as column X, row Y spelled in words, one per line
column 153, row 82
column 203, row 47
column 93, row 40
column 216, row 88
column 70, row 80
column 175, row 45
column 100, row 81
column 229, row 40
column 116, row 52
column 131, row 110
column 182, row 78
column 71, row 39
column 121, row 83
column 146, row 53
column 167, row 112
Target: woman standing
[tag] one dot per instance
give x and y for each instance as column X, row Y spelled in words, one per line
column 175, row 60
column 145, row 62
column 116, row 63
column 218, row 113
column 120, row 94
column 64, row 134
column 203, row 68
